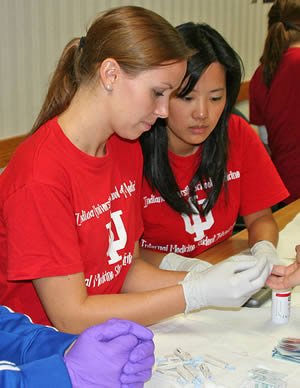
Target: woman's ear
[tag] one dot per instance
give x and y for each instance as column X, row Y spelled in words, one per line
column 109, row 73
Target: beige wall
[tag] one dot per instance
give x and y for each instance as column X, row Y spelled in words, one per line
column 34, row 32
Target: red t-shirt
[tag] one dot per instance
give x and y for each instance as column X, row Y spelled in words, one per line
column 253, row 185
column 63, row 212
column 278, row 108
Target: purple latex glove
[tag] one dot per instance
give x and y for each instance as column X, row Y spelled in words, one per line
column 98, row 356
column 139, row 367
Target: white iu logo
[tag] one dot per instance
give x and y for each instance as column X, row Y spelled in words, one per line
column 116, row 245
column 195, row 225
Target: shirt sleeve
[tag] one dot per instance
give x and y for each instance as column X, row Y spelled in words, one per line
column 261, row 185
column 46, row 373
column 257, row 99
column 41, row 233
column 22, row 342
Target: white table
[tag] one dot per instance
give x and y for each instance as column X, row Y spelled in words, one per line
column 243, row 337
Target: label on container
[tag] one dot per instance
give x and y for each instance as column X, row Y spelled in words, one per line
column 281, row 304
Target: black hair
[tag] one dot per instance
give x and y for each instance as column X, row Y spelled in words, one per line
column 211, row 47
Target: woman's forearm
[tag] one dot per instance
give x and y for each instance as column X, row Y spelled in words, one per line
column 152, row 257
column 261, row 227
column 70, row 309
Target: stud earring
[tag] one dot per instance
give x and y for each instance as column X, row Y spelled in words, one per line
column 108, row 87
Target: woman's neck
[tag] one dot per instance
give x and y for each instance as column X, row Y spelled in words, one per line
column 84, row 123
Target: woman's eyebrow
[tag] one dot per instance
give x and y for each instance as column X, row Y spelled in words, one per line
column 170, row 86
column 217, row 89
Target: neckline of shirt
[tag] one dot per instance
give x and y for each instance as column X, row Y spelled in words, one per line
column 75, row 153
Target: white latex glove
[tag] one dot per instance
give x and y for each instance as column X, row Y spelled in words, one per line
column 174, row 262
column 266, row 249
column 229, row 283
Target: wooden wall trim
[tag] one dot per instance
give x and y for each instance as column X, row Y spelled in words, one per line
column 9, row 145
column 244, row 92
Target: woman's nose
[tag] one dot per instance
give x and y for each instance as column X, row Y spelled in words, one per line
column 201, row 111
column 162, row 109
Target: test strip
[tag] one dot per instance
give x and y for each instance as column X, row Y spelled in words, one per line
column 205, row 370
column 194, row 371
column 184, row 356
column 185, row 374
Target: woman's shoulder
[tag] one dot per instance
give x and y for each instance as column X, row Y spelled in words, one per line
column 240, row 131
column 290, row 64
column 257, row 76
column 257, row 87
column 237, row 123
column 33, row 162
column 35, row 143
column 293, row 55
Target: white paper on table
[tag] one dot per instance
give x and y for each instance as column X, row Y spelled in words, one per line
column 243, row 337
column 289, row 237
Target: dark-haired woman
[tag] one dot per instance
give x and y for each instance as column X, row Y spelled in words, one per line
column 203, row 165
column 275, row 93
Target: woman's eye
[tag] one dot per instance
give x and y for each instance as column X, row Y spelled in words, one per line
column 216, row 98
column 157, row 93
column 186, row 98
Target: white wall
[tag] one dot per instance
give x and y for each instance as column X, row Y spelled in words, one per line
column 34, row 32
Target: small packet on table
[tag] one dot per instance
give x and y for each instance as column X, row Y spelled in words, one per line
column 265, row 378
column 288, row 349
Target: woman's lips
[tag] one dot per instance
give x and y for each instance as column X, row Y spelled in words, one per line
column 147, row 125
column 199, row 129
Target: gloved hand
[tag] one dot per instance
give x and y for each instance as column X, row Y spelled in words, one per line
column 139, row 367
column 174, row 262
column 266, row 249
column 107, row 353
column 229, row 283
